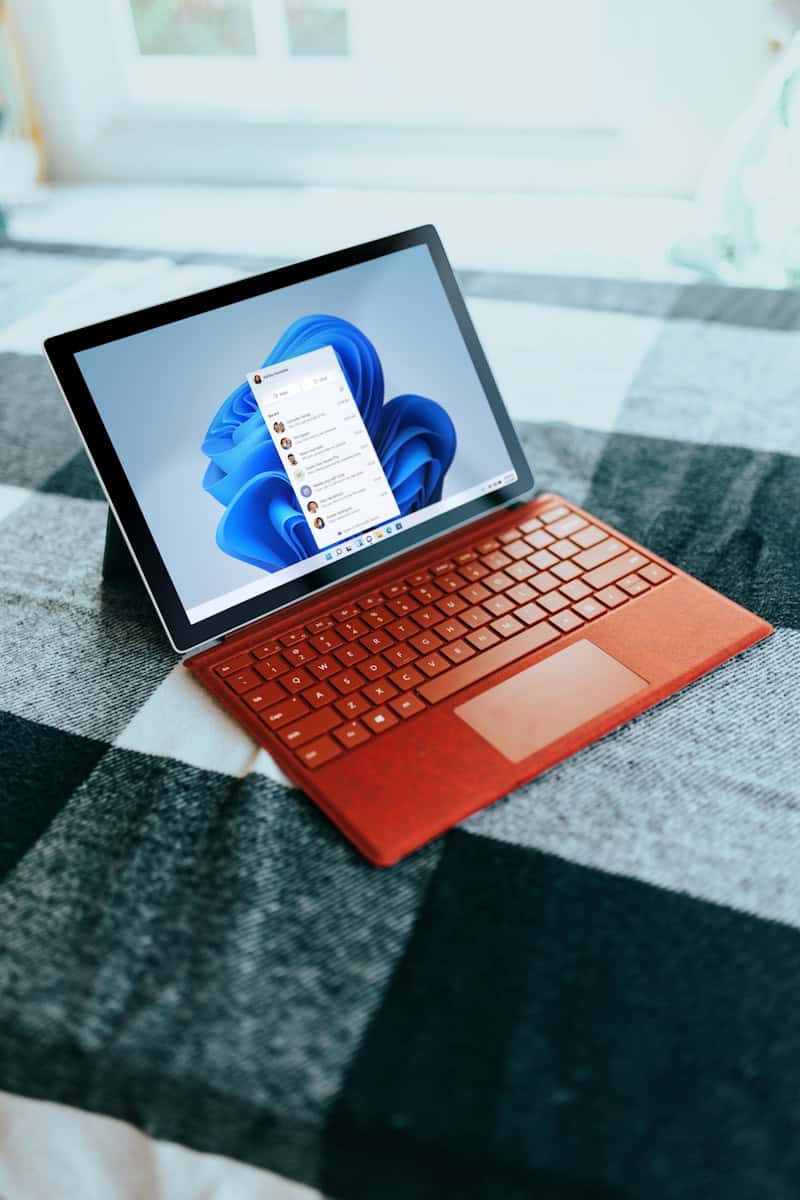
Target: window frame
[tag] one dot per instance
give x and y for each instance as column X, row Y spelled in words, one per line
column 108, row 118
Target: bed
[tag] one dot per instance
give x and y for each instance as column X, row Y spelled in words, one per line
column 589, row 990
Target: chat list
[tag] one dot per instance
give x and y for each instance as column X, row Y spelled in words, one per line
column 329, row 458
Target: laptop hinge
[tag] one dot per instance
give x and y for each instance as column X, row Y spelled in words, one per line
column 234, row 634
column 203, row 646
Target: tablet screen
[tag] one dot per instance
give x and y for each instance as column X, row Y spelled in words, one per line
column 273, row 436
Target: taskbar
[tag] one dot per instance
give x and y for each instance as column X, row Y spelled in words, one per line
column 349, row 546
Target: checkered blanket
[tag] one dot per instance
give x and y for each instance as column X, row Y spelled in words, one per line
column 591, row 989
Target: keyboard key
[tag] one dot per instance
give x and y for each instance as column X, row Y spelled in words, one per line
column 474, row 571
column 243, row 681
column 320, row 625
column 487, row 546
column 352, row 629
column 407, row 706
column 482, row 639
column 292, row 637
column 324, row 667
column 402, row 605
column 542, row 559
column 450, row 583
column 540, row 539
column 260, row 697
column 554, row 514
column 347, row 681
column 266, row 649
column 589, row 536
column 654, row 573
column 297, row 733
column 271, row 668
column 566, row 526
column 352, row 734
column 402, row 629
column 425, row 642
column 375, row 668
column 567, row 570
column 610, row 572
column 348, row 656
column 496, row 561
column 433, row 664
column 233, row 665
column 353, row 706
column 400, row 655
column 508, row 536
column 450, row 605
column 507, row 626
column 319, row 694
column 611, row 596
column 418, row 578
column 296, row 680
column 498, row 606
column 634, row 585
column 564, row 549
column 325, row 641
column 395, row 589
column 459, row 651
column 465, row 556
column 531, row 524
column 379, row 692
column 427, row 616
column 554, row 602
column 380, row 719
column 576, row 589
column 530, row 614
column 373, row 600
column 567, row 620
column 282, row 714
column 317, row 753
column 499, row 582
column 475, row 617
column 518, row 549
column 298, row 655
column 521, row 594
column 450, row 630
column 380, row 640
column 491, row 660
column 345, row 613
column 602, row 552
column 442, row 568
column 589, row 609
column 407, row 678
column 544, row 582
column 427, row 593
column 475, row 593
column 520, row 571
column 376, row 617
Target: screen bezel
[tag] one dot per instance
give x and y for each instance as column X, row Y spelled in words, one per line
column 184, row 635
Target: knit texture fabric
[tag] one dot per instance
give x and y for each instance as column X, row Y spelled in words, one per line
column 590, row 989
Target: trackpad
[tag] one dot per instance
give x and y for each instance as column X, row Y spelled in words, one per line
column 551, row 698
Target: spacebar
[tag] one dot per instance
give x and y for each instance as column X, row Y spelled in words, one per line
column 488, row 662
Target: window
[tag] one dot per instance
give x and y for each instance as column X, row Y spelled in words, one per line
column 318, row 29
column 270, row 59
column 213, row 27
column 583, row 95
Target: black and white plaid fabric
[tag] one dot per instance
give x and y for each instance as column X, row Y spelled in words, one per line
column 591, row 989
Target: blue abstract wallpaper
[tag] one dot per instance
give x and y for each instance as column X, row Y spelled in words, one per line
column 262, row 523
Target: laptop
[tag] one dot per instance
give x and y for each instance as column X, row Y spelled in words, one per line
column 318, row 481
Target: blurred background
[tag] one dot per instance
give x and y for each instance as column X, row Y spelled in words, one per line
column 654, row 139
